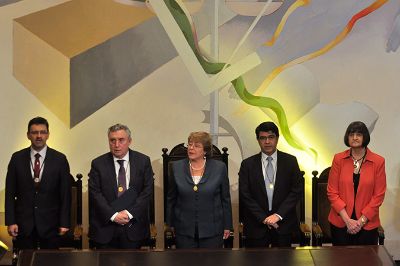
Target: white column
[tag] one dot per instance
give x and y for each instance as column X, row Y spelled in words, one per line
column 214, row 96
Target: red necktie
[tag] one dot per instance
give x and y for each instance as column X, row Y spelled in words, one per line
column 36, row 171
column 36, row 167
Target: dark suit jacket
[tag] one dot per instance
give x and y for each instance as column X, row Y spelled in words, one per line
column 104, row 201
column 253, row 195
column 46, row 209
column 211, row 204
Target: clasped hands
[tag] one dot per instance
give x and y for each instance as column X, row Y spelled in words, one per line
column 354, row 226
column 122, row 218
column 272, row 221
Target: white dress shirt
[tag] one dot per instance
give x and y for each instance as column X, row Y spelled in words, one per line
column 128, row 177
column 42, row 158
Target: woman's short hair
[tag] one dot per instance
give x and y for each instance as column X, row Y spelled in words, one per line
column 204, row 138
column 357, row 127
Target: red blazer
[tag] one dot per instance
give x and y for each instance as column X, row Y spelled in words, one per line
column 370, row 193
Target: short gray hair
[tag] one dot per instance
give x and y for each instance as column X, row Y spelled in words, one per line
column 117, row 127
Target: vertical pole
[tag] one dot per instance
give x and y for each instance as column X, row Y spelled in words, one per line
column 214, row 96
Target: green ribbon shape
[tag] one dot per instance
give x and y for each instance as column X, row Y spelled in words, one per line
column 238, row 84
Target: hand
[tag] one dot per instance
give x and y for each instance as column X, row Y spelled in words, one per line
column 275, row 225
column 122, row 218
column 62, row 230
column 227, row 234
column 353, row 226
column 272, row 219
column 12, row 230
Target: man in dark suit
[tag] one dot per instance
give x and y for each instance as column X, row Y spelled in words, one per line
column 38, row 192
column 269, row 189
column 120, row 188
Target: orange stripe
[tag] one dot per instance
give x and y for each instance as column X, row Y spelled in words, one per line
column 284, row 19
column 374, row 6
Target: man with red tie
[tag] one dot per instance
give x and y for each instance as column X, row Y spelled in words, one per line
column 38, row 192
column 120, row 188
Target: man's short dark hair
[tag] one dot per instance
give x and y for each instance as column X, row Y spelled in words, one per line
column 267, row 127
column 38, row 121
column 357, row 127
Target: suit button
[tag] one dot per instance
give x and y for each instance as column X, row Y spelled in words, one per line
column 35, row 207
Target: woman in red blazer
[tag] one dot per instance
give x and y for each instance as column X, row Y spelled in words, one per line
column 356, row 189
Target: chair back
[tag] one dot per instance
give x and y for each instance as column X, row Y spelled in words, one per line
column 303, row 235
column 73, row 238
column 320, row 208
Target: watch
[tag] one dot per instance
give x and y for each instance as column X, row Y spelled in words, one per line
column 363, row 220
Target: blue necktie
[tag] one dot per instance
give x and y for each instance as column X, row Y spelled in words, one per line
column 269, row 181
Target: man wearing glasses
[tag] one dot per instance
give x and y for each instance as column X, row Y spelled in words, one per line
column 269, row 189
column 37, row 192
column 120, row 188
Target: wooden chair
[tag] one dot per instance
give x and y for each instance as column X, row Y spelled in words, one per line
column 152, row 241
column 73, row 238
column 177, row 153
column 321, row 232
column 301, row 237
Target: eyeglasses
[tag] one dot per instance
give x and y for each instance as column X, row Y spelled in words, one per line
column 41, row 132
column 196, row 145
column 269, row 137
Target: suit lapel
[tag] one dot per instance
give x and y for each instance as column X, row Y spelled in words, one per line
column 47, row 164
column 259, row 177
column 132, row 168
column 27, row 165
column 207, row 172
column 279, row 170
column 111, row 173
column 186, row 170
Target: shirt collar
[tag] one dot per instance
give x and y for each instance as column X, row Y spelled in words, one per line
column 368, row 156
column 42, row 152
column 125, row 158
column 274, row 156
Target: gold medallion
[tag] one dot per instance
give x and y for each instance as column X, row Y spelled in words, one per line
column 271, row 186
column 120, row 189
column 195, row 188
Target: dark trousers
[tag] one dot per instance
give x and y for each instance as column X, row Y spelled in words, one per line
column 34, row 241
column 120, row 240
column 340, row 237
column 271, row 239
column 195, row 242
